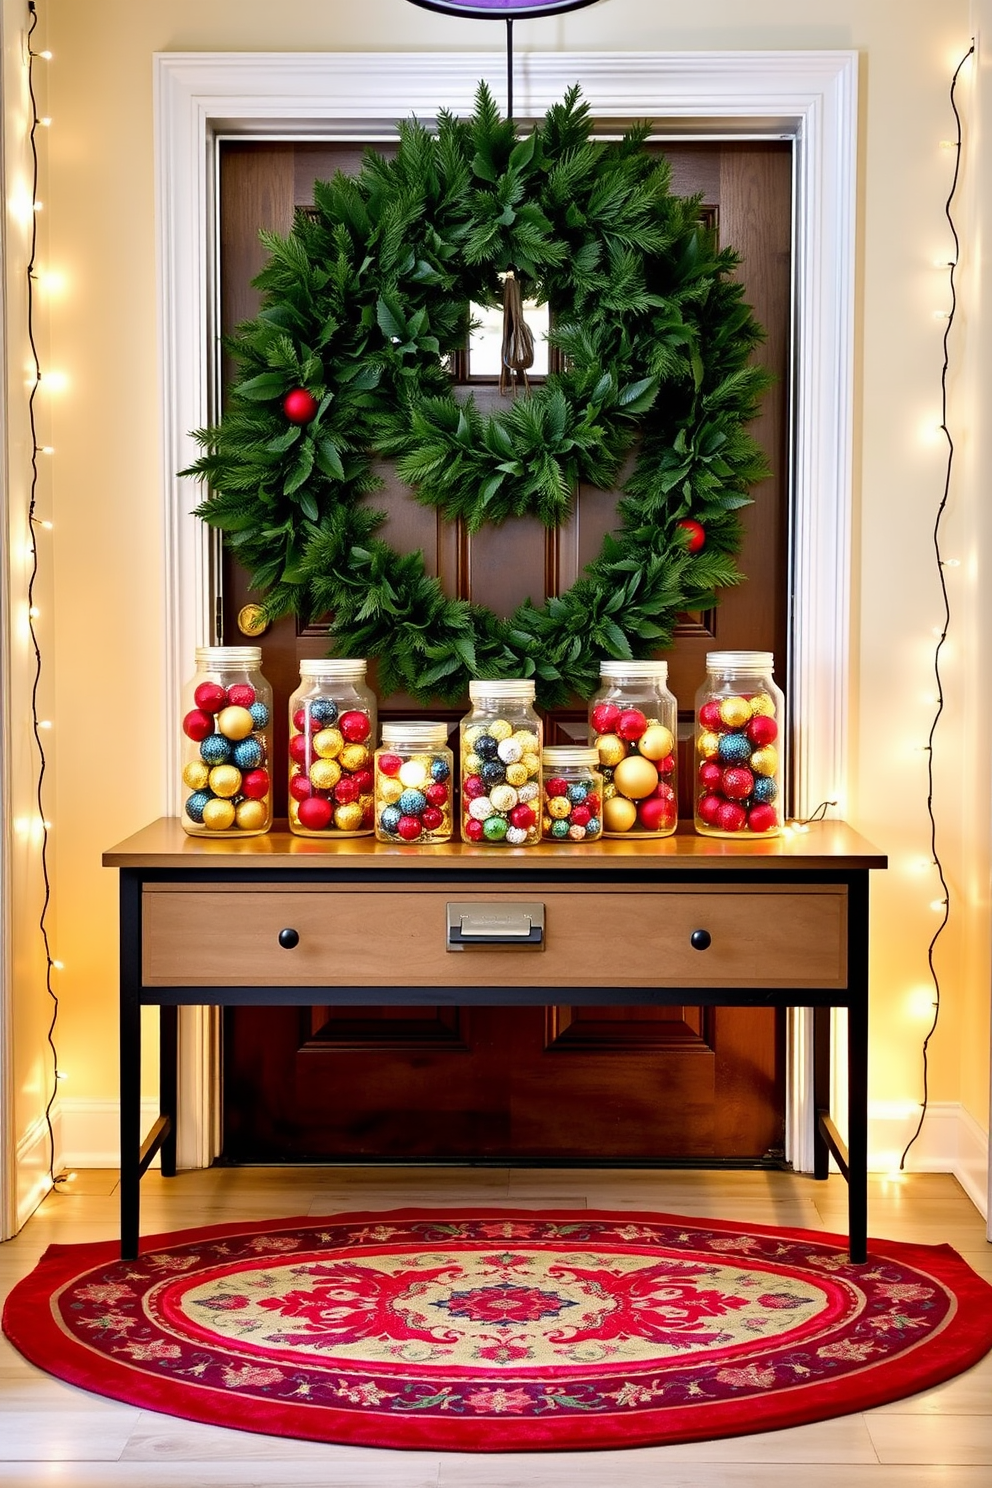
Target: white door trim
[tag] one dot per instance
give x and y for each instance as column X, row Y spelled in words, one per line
column 808, row 97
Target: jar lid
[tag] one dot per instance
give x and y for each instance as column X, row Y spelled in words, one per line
column 229, row 656
column 417, row 735
column 740, row 661
column 333, row 667
column 610, row 669
column 560, row 756
column 514, row 687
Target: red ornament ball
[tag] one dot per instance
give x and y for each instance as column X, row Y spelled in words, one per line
column 363, row 779
column 409, row 828
column 354, row 726
column 655, row 813
column 580, row 816
column 437, row 793
column 737, row 783
column 474, row 830
column 299, row 748
column 315, row 813
column 346, row 790
column 556, row 786
column 389, row 764
column 304, row 722
column 668, row 765
column 663, row 791
column 710, row 774
column 761, row 818
column 300, row 787
column 431, row 818
column 299, row 406
column 255, row 784
column 198, row 725
column 593, row 802
column 210, row 696
column 708, row 808
column 241, row 695
column 731, row 817
column 762, row 730
column 631, row 724
column 473, row 787
column 604, row 718
column 709, row 716
column 696, row 531
column 523, row 816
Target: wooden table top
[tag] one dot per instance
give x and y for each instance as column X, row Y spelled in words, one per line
column 822, row 845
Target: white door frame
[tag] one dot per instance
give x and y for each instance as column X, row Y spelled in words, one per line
column 809, row 98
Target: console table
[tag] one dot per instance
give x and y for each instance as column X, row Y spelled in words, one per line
column 493, row 926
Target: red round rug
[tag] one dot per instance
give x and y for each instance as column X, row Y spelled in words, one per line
column 501, row 1330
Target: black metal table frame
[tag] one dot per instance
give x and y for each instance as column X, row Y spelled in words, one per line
column 137, row 1154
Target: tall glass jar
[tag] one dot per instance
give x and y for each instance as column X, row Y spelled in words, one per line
column 501, row 742
column 227, row 744
column 739, row 738
column 413, row 783
column 572, row 795
column 632, row 722
column 332, row 734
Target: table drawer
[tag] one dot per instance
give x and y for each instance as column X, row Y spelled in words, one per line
column 227, row 935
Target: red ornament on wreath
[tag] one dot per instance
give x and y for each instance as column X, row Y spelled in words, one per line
column 697, row 534
column 299, row 406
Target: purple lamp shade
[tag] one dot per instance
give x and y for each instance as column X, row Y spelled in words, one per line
column 502, row 10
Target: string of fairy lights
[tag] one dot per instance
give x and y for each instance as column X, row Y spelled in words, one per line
column 943, row 902
column 40, row 726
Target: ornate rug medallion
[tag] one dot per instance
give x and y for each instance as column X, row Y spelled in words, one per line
column 502, row 1330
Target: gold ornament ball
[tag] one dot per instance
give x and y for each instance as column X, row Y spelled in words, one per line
column 763, row 705
column 765, row 761
column 619, row 814
column 559, row 807
column 735, row 712
column 473, row 732
column 225, row 780
column 354, row 757
column 635, row 777
column 611, row 749
column 518, row 774
column 348, row 818
column 389, row 789
column 218, row 815
column 196, row 775
column 328, row 743
column 235, row 723
column 503, row 797
column 501, row 729
column 530, row 761
column 250, row 815
column 527, row 740
column 657, row 742
column 708, row 745
column 473, row 764
column 325, row 774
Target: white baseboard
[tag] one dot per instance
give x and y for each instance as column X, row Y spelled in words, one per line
column 32, row 1170
column 90, row 1132
column 951, row 1141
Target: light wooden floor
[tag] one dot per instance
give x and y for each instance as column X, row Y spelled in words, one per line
column 52, row 1433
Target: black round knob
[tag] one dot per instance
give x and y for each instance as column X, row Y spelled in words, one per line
column 288, row 939
column 700, row 940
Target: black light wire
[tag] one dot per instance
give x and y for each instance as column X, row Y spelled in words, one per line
column 36, row 450
column 948, row 471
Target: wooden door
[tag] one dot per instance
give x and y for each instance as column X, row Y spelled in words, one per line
column 561, row 1083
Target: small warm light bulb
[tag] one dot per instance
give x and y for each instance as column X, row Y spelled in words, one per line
column 48, row 526
column 56, row 382
column 45, row 122
column 45, row 723
column 938, row 905
column 34, row 612
column 61, row 1075
column 46, row 449
column 951, row 562
column 59, row 965
column 38, row 206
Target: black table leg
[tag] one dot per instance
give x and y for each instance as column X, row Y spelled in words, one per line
column 130, row 1064
column 168, row 1084
column 821, row 1090
column 857, row 1128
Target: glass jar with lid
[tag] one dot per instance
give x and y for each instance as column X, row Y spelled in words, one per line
column 739, row 736
column 500, row 748
column 572, row 794
column 633, row 725
column 332, row 734
column 413, row 783
column 227, row 744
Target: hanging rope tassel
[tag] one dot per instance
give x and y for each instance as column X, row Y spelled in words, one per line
column 518, row 339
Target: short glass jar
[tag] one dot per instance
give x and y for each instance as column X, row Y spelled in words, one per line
column 501, row 742
column 633, row 725
column 332, row 734
column 227, row 744
column 413, row 783
column 739, row 735
column 572, row 794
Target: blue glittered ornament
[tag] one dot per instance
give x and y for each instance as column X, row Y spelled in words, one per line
column 389, row 818
column 577, row 793
column 259, row 715
column 195, row 804
column 493, row 772
column 248, row 754
column 765, row 788
column 486, row 746
column 559, row 829
column 412, row 802
column 215, row 750
column 325, row 710
column 734, row 749
column 440, row 769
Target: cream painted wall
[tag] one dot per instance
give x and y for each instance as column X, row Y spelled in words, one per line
column 108, row 637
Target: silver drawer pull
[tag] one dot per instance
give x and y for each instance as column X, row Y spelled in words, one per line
column 494, row 924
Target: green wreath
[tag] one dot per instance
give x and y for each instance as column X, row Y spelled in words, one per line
column 364, row 300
